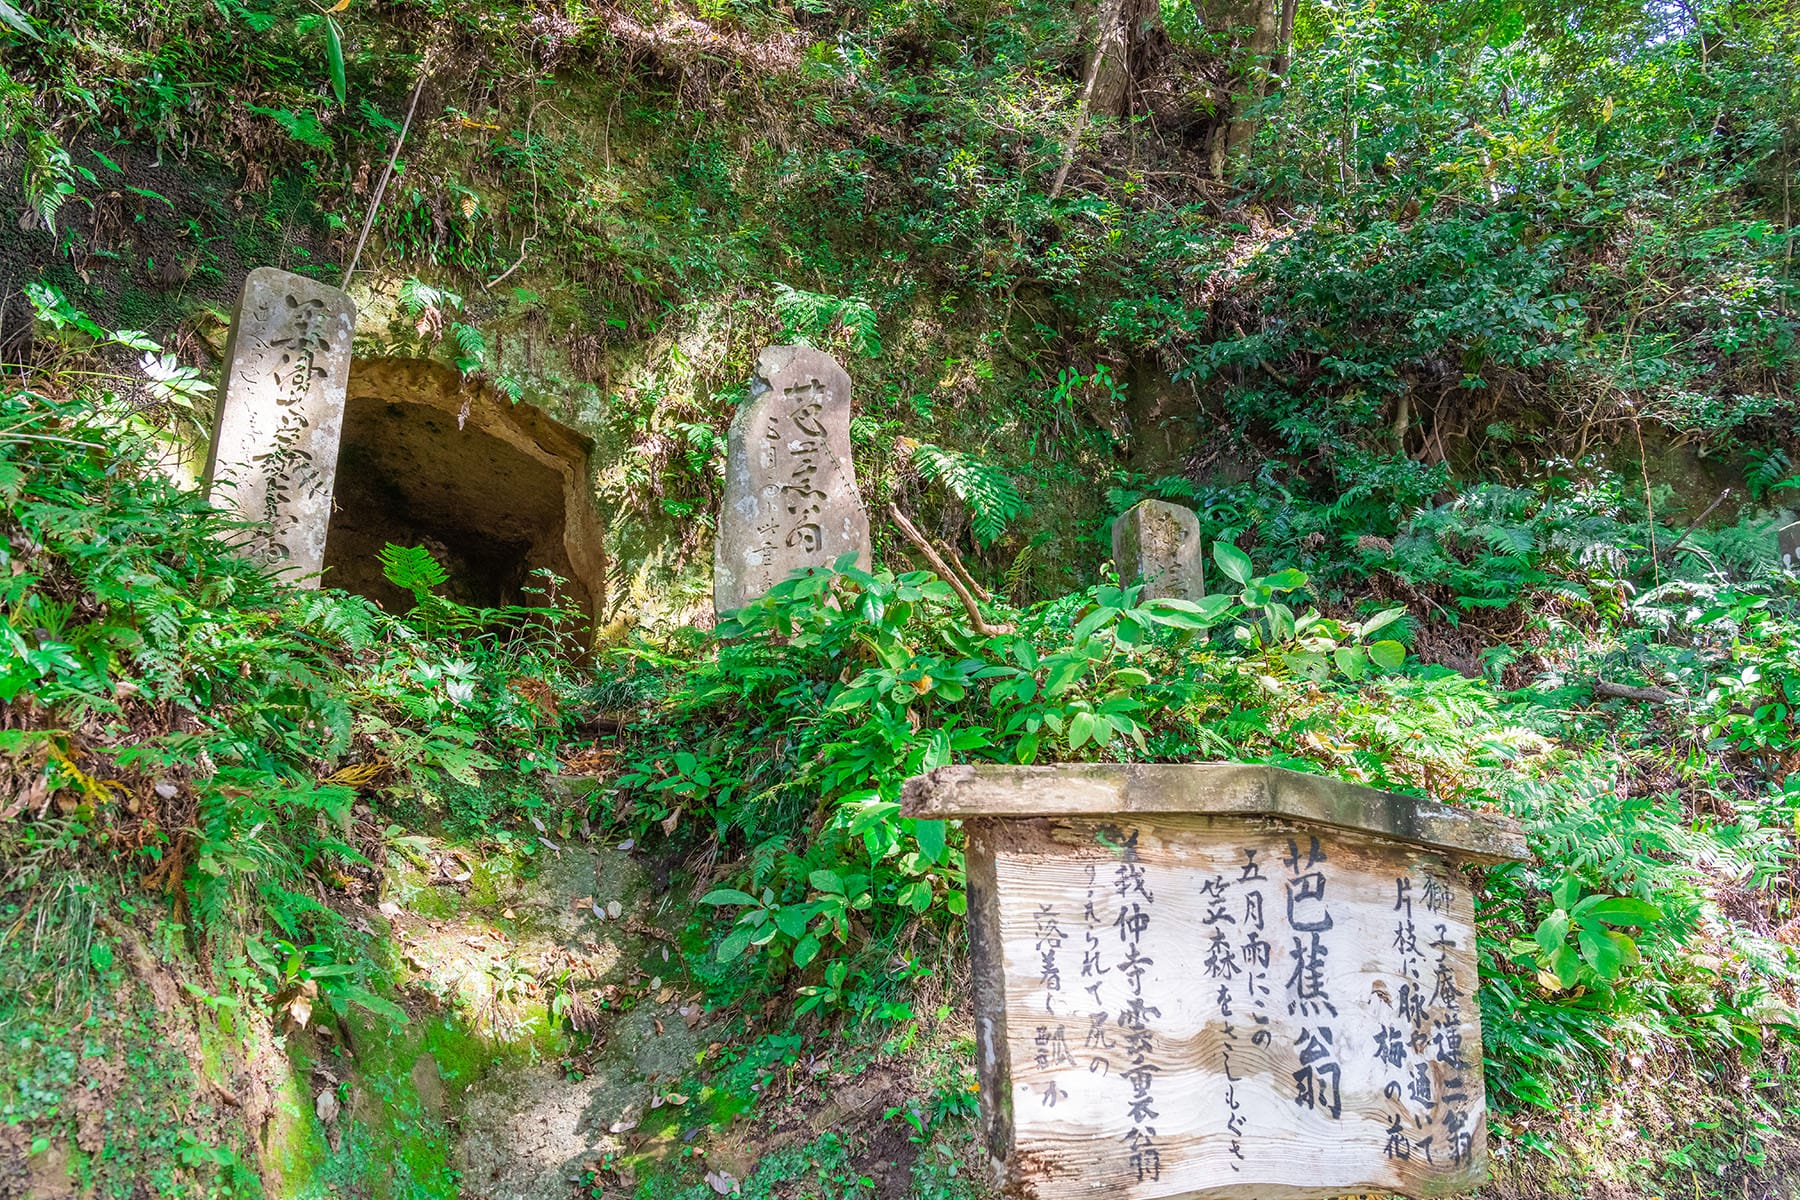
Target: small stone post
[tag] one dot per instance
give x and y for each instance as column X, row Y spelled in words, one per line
column 1158, row 544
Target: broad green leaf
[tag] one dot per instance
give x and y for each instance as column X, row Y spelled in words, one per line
column 727, row 896
column 931, row 836
column 1602, row 953
column 1234, row 562
column 792, row 920
column 829, row 882
column 1025, row 753
column 1381, row 620
column 1567, row 966
column 1063, row 674
column 369, row 1002
column 1623, row 910
column 871, row 814
column 735, row 943
column 1553, row 931
column 1387, row 654
column 916, row 895
column 1188, row 614
column 806, row 949
column 1081, row 729
column 334, row 53
column 1094, row 620
column 18, row 21
column 1281, row 622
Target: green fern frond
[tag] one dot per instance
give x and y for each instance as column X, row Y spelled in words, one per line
column 1768, row 467
column 413, row 568
column 418, row 297
column 472, row 345
column 811, row 316
column 992, row 499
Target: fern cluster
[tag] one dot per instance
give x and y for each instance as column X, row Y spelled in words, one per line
column 191, row 709
column 812, row 316
column 987, row 491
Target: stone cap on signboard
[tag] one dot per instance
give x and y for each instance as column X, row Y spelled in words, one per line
column 1212, row 789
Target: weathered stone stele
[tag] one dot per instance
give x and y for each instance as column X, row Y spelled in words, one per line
column 1220, row 981
column 1158, row 544
column 281, row 413
column 790, row 487
column 1787, row 545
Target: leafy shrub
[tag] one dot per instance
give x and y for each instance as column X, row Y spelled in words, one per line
column 792, row 738
column 176, row 710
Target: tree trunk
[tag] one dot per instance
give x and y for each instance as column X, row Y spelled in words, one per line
column 1121, row 40
column 1260, row 51
column 1109, row 63
column 1251, row 82
column 1284, row 40
column 1123, row 30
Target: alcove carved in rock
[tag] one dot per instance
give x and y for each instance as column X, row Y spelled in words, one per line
column 493, row 489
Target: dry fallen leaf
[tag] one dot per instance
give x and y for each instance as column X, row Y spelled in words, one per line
column 300, row 1007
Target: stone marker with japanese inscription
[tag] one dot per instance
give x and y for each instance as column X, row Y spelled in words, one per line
column 274, row 448
column 1221, row 980
column 1157, row 544
column 790, row 487
column 1787, row 546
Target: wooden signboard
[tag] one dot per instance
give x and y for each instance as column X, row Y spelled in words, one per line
column 1217, row 980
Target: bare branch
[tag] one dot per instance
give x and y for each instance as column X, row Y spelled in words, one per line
column 911, row 531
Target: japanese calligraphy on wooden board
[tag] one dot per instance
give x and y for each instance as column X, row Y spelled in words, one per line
column 273, row 458
column 1217, row 980
column 790, row 486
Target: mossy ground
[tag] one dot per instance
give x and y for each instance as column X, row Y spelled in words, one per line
column 546, row 1052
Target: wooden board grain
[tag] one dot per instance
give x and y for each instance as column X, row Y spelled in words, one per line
column 1223, row 1007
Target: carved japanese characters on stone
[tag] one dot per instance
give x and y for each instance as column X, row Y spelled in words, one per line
column 1221, row 981
column 790, row 488
column 1157, row 544
column 281, row 412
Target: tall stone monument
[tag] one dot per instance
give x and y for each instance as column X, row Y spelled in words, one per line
column 1218, row 981
column 790, row 487
column 1787, row 546
column 1157, row 544
column 281, row 412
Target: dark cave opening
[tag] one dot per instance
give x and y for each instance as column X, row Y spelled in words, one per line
column 490, row 512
